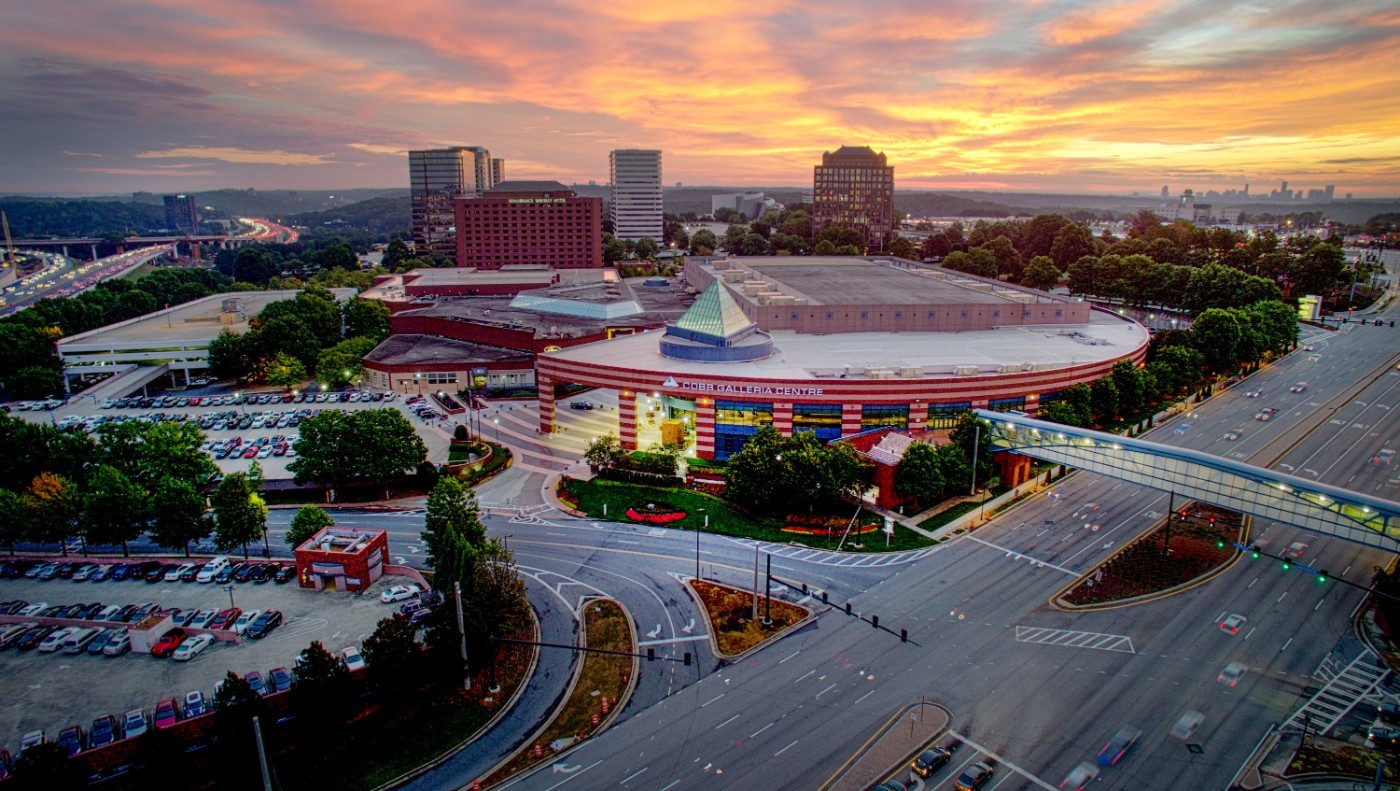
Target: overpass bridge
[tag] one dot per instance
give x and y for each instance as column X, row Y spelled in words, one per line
column 1257, row 491
column 93, row 244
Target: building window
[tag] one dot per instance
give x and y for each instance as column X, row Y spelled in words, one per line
column 1007, row 404
column 442, row 379
column 880, row 415
column 946, row 415
column 823, row 420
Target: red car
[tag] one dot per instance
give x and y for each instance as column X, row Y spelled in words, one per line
column 168, row 642
column 225, row 619
column 166, row 714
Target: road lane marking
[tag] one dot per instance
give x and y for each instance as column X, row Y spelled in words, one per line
column 666, row 640
column 1280, row 597
column 1073, row 639
column 632, row 776
column 804, row 675
column 785, row 749
column 1001, row 761
column 761, row 730
column 712, row 700
column 863, row 697
column 721, row 725
column 1021, row 555
column 790, row 656
column 823, row 692
column 1250, row 633
column 574, row 775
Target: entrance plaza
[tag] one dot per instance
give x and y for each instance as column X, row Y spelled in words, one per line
column 716, row 375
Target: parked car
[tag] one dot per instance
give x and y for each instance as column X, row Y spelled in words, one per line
column 400, row 593
column 225, row 575
column 280, row 679
column 192, row 647
column 168, row 642
column 100, row 641
column 117, row 645
column 102, row 572
column 194, row 704
column 264, row 624
column 211, row 569
column 255, row 680
column 135, row 723
column 55, row 639
column 352, row 658
column 189, row 572
column 202, row 618
column 31, row 739
column 31, row 639
column 261, row 573
column 166, row 713
column 71, row 740
column 241, row 625
column 84, row 573
column 10, row 633
column 225, row 619
column 285, row 574
column 78, row 641
column 103, row 732
column 244, row 572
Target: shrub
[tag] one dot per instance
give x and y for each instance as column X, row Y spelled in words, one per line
column 658, row 463
column 460, row 433
column 638, row 477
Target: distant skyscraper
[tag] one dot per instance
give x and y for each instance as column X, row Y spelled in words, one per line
column 1165, row 192
column 436, row 177
column 180, row 213
column 1329, row 191
column 635, row 175
column 498, row 171
column 853, row 187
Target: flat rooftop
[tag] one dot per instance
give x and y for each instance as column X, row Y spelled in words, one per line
column 189, row 324
column 434, row 351
column 848, row 355
column 845, row 280
column 466, row 275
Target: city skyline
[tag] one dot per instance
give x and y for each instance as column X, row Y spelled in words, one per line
column 1036, row 96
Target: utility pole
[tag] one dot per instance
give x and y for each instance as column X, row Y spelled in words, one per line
column 755, row 583
column 768, row 594
column 976, row 443
column 1171, row 514
column 262, row 756
column 462, row 634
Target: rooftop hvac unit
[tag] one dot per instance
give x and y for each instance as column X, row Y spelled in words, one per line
column 784, row 299
column 965, row 370
column 911, row 371
column 1010, row 368
column 733, row 276
column 879, row 373
column 1042, row 366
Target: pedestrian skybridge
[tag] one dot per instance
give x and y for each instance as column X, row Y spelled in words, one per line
column 1259, row 492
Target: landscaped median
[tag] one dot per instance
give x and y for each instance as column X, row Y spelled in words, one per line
column 1189, row 546
column 602, row 684
column 733, row 628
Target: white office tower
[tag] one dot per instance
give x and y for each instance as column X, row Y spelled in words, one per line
column 635, row 175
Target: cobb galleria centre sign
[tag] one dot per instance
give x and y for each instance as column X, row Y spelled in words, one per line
column 702, row 387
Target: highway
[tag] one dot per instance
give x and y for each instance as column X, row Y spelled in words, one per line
column 64, row 277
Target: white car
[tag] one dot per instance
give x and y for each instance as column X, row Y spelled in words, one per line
column 34, row 609
column 1232, row 623
column 202, row 618
column 173, row 575
column 55, row 640
column 192, row 647
column 1232, row 673
column 353, row 660
column 136, row 723
column 1188, row 724
column 241, row 625
column 400, row 593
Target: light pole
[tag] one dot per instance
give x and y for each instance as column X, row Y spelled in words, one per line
column 229, row 588
column 697, row 543
column 497, row 421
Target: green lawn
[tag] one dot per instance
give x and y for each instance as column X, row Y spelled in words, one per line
column 723, row 518
column 139, row 272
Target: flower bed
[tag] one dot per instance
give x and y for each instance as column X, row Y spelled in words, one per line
column 654, row 518
column 1144, row 568
column 729, row 611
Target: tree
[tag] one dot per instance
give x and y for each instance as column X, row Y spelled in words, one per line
column 235, row 705
column 494, row 603
column 335, row 256
column 255, row 265
column 1127, row 380
column 1008, row 261
column 614, row 250
column 749, row 476
column 323, row 698
column 387, row 445
column 283, row 370
column 343, row 363
column 972, row 438
column 366, row 317
column 115, row 510
column 919, row 475
column 309, row 521
column 452, row 532
column 396, row 251
column 1103, row 395
column 177, row 514
column 46, row 766
column 231, row 355
column 15, row 517
column 703, row 242
column 1216, row 334
column 604, row 451
column 645, row 249
column 1041, row 273
column 394, row 658
column 55, row 504
column 1072, row 242
column 322, row 450
column 171, row 449
column 239, row 512
column 34, row 381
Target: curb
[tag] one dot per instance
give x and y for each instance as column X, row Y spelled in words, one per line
column 603, row 724
column 883, row 731
column 489, row 724
column 726, row 659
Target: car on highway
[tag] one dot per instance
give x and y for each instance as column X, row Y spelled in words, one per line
column 974, row 777
column 1182, row 429
column 1296, row 549
column 1255, row 393
column 1388, row 711
column 1233, row 434
column 1385, row 456
column 1298, row 388
column 1266, row 413
column 1079, row 777
column 1232, row 674
column 930, row 761
column 400, row 593
column 1232, row 623
column 1118, row 746
column 1187, row 725
column 192, row 647
column 1383, row 737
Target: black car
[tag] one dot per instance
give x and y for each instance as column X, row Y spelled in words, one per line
column 264, row 624
column 158, row 573
column 67, row 570
column 244, row 573
column 189, row 574
column 227, row 574
column 285, row 574
column 31, row 639
column 141, row 570
column 15, row 569
column 88, row 610
column 261, row 573
column 1384, row 738
column 12, row 607
column 1387, row 712
column 930, row 761
column 120, row 571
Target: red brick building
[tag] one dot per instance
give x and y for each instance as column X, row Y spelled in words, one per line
column 342, row 558
column 530, row 222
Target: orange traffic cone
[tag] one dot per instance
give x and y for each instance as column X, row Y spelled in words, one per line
column 605, row 706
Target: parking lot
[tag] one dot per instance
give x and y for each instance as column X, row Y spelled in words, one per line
column 54, row 690
column 240, row 427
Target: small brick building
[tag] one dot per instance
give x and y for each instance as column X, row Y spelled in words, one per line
column 342, row 558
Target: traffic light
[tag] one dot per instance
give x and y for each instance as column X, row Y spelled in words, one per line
column 1183, row 514
column 1254, row 552
column 1219, row 543
column 1287, row 564
column 1212, row 521
column 1322, row 576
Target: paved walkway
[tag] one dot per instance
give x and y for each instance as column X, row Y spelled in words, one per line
column 893, row 747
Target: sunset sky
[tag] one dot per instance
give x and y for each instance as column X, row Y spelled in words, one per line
column 111, row 96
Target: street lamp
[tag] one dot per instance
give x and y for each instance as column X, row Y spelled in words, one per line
column 229, row 588
column 497, row 421
column 697, row 543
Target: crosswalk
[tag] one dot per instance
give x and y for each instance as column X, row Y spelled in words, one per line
column 1068, row 638
column 1356, row 682
column 824, row 557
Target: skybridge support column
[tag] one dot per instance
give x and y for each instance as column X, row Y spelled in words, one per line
column 850, row 419
column 627, row 419
column 782, row 419
column 546, row 388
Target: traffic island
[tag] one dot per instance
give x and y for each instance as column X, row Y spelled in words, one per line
column 602, row 685
column 1188, row 547
column 890, row 750
column 733, row 629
